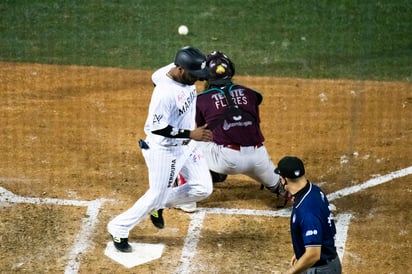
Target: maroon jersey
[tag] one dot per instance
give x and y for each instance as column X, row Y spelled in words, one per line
column 240, row 126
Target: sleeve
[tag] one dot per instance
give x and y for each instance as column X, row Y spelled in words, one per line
column 259, row 97
column 160, row 75
column 159, row 109
column 312, row 232
column 200, row 119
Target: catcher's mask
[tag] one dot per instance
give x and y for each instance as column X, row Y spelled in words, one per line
column 221, row 68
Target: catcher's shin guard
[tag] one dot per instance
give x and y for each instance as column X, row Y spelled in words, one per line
column 218, row 177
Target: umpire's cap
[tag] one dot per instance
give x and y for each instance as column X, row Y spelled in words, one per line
column 221, row 68
column 290, row 167
column 192, row 60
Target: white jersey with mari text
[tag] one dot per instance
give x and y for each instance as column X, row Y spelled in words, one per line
column 172, row 104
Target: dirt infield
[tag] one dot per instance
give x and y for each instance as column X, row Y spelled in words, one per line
column 70, row 133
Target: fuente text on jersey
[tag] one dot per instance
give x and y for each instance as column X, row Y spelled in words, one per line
column 238, row 97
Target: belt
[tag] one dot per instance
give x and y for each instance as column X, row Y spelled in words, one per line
column 323, row 262
column 238, row 147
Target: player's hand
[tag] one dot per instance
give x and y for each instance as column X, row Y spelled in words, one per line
column 293, row 260
column 201, row 134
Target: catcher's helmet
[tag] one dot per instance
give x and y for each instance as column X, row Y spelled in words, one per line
column 193, row 60
column 221, row 68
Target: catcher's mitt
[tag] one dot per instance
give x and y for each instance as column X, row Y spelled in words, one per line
column 281, row 192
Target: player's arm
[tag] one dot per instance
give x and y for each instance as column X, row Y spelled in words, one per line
column 172, row 132
column 198, row 134
column 309, row 258
column 259, row 97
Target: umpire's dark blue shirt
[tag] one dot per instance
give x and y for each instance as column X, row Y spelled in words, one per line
column 311, row 222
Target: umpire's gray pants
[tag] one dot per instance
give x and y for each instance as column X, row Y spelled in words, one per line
column 333, row 267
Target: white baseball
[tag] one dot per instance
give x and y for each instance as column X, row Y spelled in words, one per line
column 183, row 30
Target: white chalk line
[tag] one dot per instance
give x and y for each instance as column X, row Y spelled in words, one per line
column 195, row 226
column 192, row 239
column 190, row 244
column 370, row 183
column 342, row 225
column 88, row 222
column 342, row 220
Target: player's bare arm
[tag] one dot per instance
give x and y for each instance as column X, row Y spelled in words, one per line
column 309, row 258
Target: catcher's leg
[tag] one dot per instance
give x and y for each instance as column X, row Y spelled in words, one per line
column 218, row 177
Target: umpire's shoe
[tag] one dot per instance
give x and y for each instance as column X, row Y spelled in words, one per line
column 157, row 218
column 122, row 244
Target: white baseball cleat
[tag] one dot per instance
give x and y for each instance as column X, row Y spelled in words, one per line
column 189, row 207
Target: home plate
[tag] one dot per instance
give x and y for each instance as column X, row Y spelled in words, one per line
column 142, row 253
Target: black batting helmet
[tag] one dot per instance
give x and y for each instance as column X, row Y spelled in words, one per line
column 221, row 68
column 192, row 60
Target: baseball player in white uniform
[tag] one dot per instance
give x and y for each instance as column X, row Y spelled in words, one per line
column 167, row 149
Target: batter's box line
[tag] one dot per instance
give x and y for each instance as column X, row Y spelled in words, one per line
column 342, row 220
column 196, row 224
column 86, row 230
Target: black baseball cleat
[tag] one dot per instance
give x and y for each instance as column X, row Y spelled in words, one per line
column 157, row 218
column 122, row 244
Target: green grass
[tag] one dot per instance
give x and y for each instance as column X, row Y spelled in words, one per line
column 352, row 39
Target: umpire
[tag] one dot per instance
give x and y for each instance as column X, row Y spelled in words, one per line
column 312, row 227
